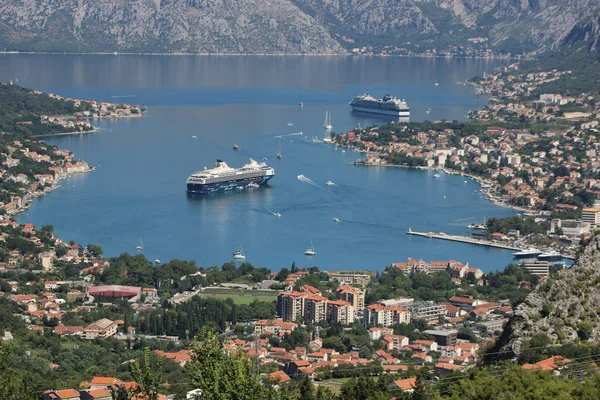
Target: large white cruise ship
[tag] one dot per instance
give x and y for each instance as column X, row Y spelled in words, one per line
column 224, row 178
column 388, row 105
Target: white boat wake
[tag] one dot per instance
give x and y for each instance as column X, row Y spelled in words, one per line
column 292, row 134
column 274, row 213
column 304, row 179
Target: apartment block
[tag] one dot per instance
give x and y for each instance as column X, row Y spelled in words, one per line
column 352, row 295
column 340, row 311
column 290, row 305
column 315, row 308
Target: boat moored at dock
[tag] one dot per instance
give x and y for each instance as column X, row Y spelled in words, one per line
column 528, row 253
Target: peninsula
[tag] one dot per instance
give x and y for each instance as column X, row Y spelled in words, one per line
column 29, row 167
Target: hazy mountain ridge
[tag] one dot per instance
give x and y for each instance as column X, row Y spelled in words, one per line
column 194, row 26
column 291, row 26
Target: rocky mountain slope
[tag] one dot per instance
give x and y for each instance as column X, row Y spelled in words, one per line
column 292, row 26
column 517, row 24
column 566, row 309
column 194, row 26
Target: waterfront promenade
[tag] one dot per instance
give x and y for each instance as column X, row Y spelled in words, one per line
column 463, row 239
column 466, row 239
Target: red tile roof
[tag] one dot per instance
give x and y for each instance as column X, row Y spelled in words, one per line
column 279, row 377
column 406, row 384
column 67, row 393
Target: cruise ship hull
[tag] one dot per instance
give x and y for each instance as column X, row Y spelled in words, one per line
column 393, row 113
column 550, row 257
column 226, row 186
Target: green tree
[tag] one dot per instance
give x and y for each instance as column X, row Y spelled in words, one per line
column 95, row 250
column 14, row 384
column 221, row 375
column 147, row 380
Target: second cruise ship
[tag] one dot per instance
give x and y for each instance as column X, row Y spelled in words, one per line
column 388, row 105
column 223, row 178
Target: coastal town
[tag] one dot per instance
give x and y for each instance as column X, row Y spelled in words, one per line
column 29, row 166
column 548, row 170
column 412, row 320
column 325, row 325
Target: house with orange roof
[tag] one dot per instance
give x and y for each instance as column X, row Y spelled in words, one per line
column 406, row 385
column 65, row 394
column 466, row 358
column 279, row 377
column 277, row 351
column 295, row 368
column 300, row 352
column 466, row 303
column 65, row 330
column 395, row 368
column 428, row 345
column 446, row 368
column 385, row 358
column 421, row 358
column 452, row 311
column 96, row 394
column 317, row 356
column 468, row 347
column 181, row 357
column 554, row 363
column 104, row 382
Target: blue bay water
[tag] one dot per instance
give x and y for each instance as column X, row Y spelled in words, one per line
column 138, row 189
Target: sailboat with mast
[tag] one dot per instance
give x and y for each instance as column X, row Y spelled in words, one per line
column 311, row 250
column 279, row 147
column 238, row 254
column 141, row 246
column 327, row 123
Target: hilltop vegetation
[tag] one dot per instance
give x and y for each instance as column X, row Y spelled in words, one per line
column 20, row 110
column 561, row 314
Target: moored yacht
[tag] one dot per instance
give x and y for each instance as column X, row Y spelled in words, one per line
column 528, row 253
column 550, row 256
column 311, row 250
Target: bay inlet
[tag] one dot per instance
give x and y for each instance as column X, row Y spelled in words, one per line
column 200, row 106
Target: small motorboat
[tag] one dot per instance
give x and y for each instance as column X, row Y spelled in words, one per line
column 194, row 137
column 236, row 147
column 290, row 124
column 252, row 185
column 436, row 175
column 329, row 183
column 336, row 220
column 277, row 214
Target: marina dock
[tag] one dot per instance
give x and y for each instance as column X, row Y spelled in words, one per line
column 462, row 239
